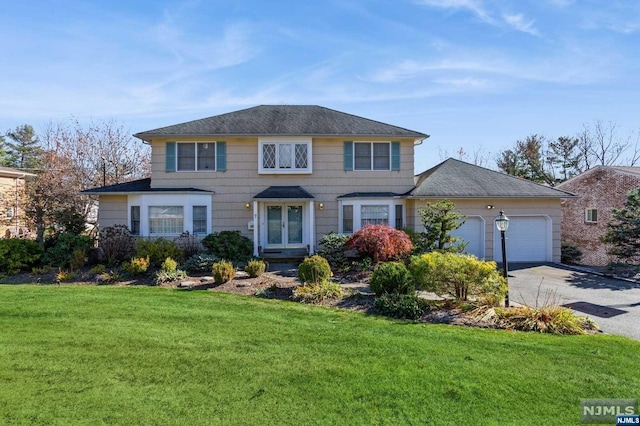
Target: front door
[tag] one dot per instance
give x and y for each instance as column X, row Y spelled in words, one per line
column 284, row 225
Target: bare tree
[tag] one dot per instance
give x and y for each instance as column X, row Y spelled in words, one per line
column 479, row 156
column 600, row 144
column 76, row 158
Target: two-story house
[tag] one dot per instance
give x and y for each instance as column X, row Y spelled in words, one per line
column 285, row 175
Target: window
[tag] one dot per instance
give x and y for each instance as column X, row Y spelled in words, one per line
column 591, row 215
column 357, row 213
column 199, row 219
column 198, row 156
column 278, row 156
column 372, row 156
column 166, row 220
column 135, row 220
column 9, row 213
column 399, row 222
column 347, row 219
column 374, row 215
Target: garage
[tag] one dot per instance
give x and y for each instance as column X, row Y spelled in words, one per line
column 472, row 232
column 528, row 239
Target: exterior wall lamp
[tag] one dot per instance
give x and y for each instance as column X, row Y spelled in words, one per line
column 502, row 223
column 247, row 206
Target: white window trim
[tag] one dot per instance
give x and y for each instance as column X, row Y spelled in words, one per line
column 187, row 201
column 358, row 203
column 371, row 169
column 586, row 215
column 215, row 158
column 289, row 141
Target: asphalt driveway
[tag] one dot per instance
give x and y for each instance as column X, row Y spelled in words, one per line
column 613, row 304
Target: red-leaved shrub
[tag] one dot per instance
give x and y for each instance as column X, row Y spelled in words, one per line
column 381, row 243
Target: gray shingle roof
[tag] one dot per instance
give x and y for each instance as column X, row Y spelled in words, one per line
column 135, row 186
column 457, row 179
column 287, row 192
column 370, row 195
column 283, row 120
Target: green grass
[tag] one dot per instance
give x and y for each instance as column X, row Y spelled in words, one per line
column 107, row 355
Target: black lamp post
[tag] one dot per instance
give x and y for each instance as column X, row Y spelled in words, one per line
column 502, row 223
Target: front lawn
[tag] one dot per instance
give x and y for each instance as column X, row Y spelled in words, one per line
column 91, row 355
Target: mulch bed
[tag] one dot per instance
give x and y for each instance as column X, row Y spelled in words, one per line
column 276, row 284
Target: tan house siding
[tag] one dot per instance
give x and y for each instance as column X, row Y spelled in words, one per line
column 601, row 188
column 12, row 202
column 241, row 181
column 511, row 207
column 112, row 210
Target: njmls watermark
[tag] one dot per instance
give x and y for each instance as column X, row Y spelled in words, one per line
column 605, row 410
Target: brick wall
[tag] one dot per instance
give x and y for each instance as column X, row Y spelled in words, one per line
column 601, row 188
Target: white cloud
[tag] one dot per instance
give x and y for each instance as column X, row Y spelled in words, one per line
column 519, row 23
column 474, row 6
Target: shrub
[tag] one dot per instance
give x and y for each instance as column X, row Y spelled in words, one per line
column 223, row 272
column 18, row 254
column 317, row 292
column 164, row 277
column 551, row 318
column 169, row 265
column 401, row 306
column 255, row 268
column 61, row 248
column 229, row 245
column 157, row 250
column 108, row 277
column 570, row 254
column 63, row 276
column 381, row 243
column 137, row 266
column 98, row 269
column 189, row 244
column 332, row 248
column 200, row 263
column 115, row 245
column 456, row 275
column 391, row 277
column 78, row 259
column 314, row 269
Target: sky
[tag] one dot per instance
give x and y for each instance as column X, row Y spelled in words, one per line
column 473, row 74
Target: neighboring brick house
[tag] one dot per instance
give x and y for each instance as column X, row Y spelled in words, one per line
column 285, row 175
column 12, row 200
column 584, row 218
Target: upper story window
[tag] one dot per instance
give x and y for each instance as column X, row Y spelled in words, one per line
column 284, row 155
column 196, row 156
column 192, row 156
column 591, row 215
column 372, row 156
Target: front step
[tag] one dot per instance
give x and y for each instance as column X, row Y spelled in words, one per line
column 284, row 255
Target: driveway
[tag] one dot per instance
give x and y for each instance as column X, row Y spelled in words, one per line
column 613, row 304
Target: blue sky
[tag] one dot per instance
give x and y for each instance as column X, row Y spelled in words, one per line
column 476, row 74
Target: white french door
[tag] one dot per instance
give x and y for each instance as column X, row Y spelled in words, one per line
column 285, row 225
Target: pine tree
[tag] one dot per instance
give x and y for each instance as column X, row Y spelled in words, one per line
column 439, row 220
column 25, row 151
column 623, row 232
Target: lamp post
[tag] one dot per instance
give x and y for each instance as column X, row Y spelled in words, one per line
column 502, row 223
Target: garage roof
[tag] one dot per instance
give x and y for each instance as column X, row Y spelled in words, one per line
column 456, row 179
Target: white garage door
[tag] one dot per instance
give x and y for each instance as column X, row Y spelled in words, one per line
column 528, row 240
column 472, row 232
